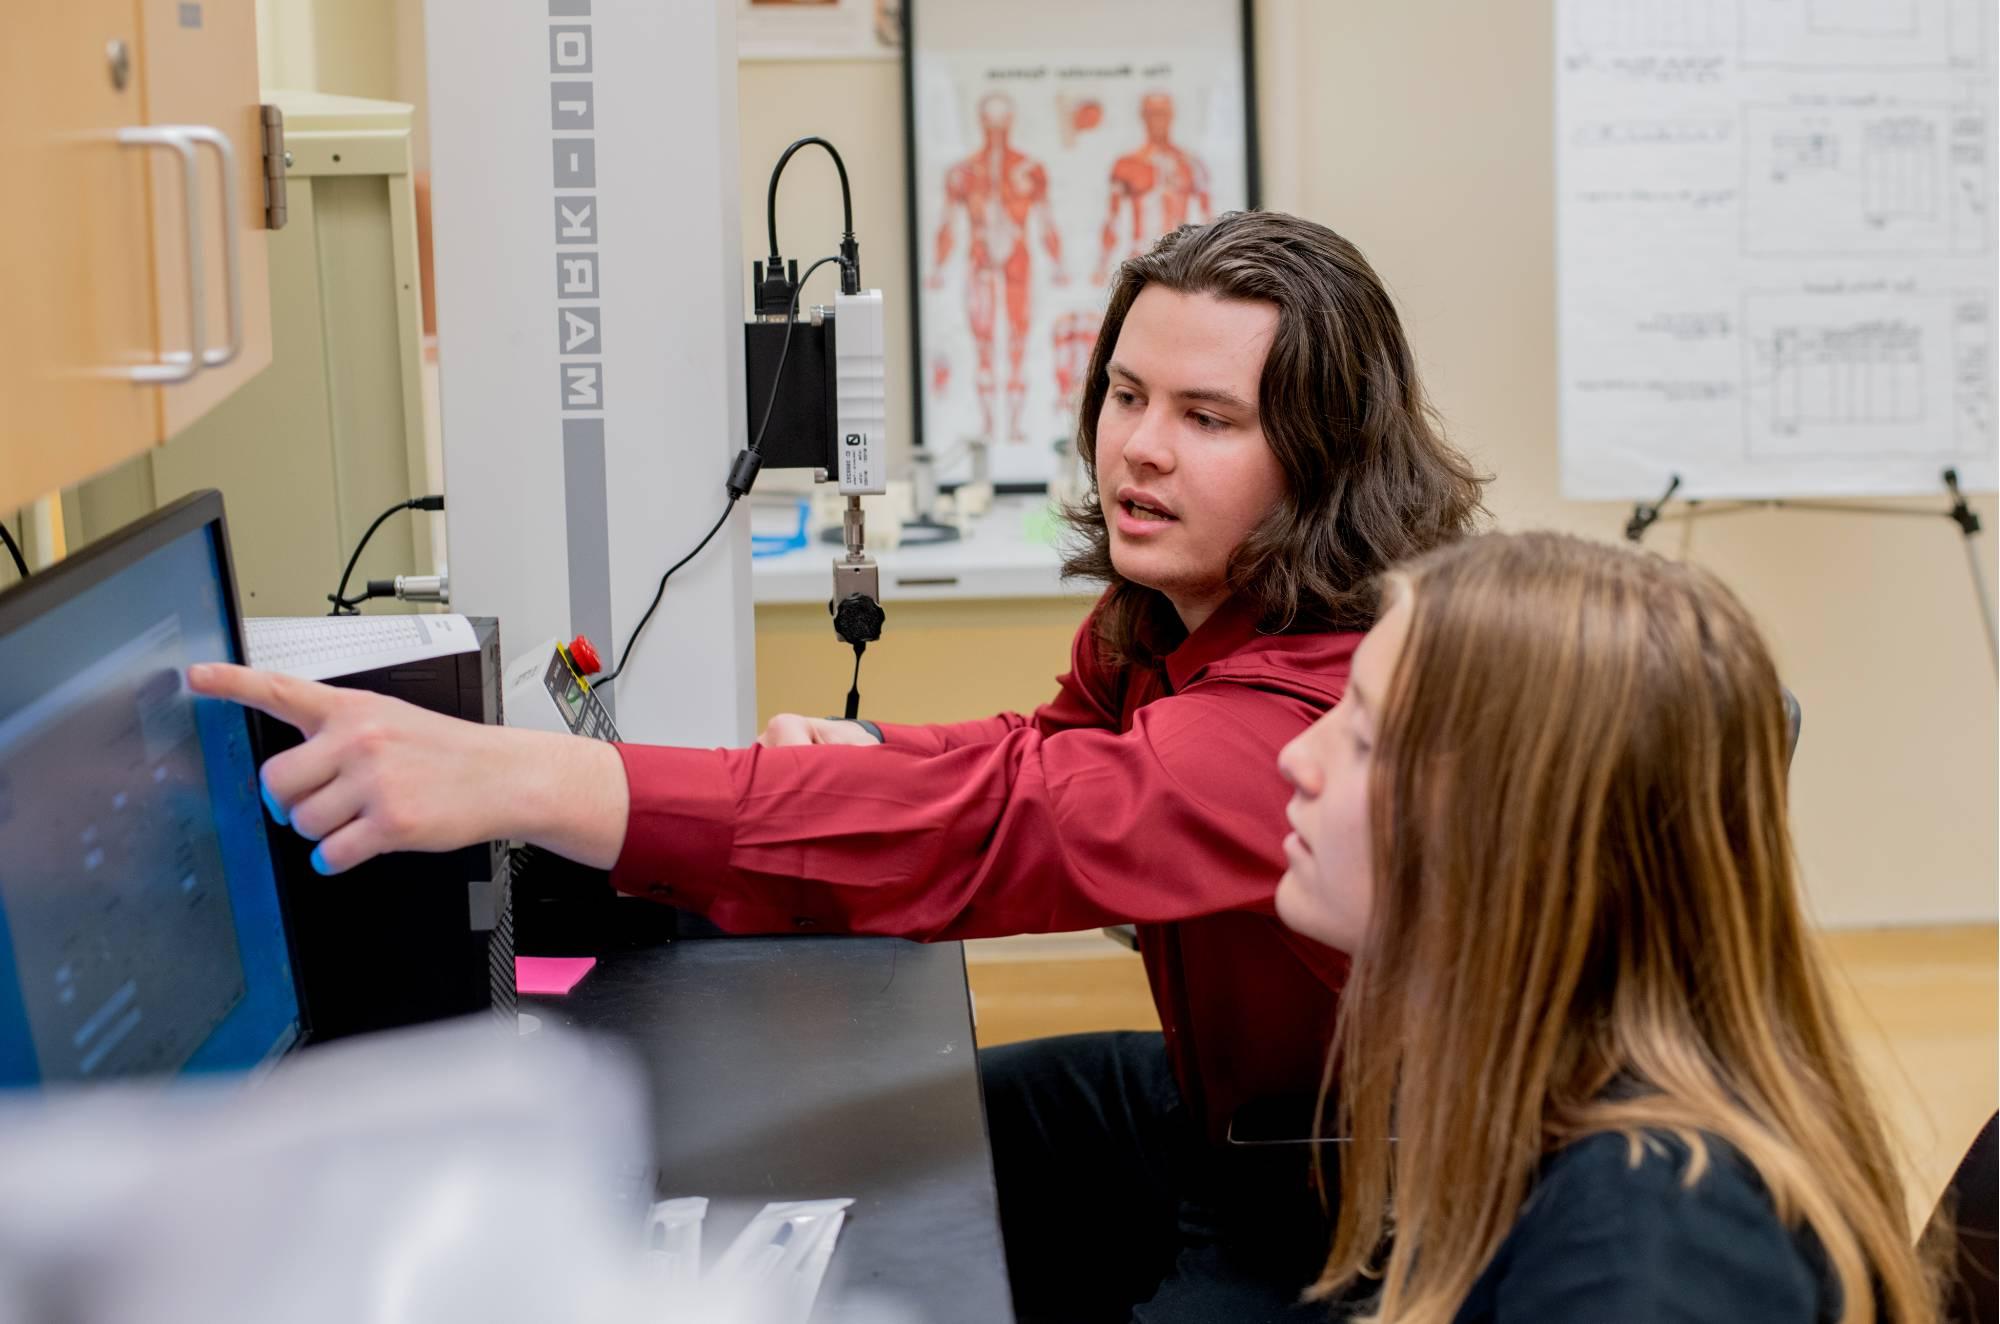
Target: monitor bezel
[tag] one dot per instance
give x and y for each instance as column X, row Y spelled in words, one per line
column 96, row 562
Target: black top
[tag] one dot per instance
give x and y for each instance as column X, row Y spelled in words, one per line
column 1599, row 1239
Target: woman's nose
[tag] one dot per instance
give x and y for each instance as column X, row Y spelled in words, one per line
column 1288, row 762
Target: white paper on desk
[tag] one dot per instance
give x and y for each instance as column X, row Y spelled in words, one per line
column 1775, row 246
column 322, row 647
column 773, row 1270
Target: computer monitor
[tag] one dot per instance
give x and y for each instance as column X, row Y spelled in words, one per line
column 141, row 931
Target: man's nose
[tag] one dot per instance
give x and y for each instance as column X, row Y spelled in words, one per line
column 1151, row 442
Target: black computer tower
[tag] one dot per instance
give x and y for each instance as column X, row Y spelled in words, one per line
column 410, row 937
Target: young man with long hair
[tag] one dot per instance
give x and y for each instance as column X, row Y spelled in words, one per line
column 1588, row 1067
column 1261, row 449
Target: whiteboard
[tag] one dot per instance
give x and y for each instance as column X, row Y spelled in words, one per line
column 1775, row 235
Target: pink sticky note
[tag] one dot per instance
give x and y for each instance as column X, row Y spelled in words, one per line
column 553, row 975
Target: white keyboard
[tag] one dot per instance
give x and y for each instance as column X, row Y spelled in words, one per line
column 321, row 647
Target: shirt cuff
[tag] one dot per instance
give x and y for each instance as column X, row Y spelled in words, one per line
column 681, row 825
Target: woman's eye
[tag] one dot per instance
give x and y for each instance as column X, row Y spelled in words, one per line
column 1126, row 398
column 1207, row 422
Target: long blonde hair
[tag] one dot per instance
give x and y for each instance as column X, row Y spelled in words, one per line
column 1584, row 878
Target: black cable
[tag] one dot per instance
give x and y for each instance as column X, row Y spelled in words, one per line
column 854, row 686
column 744, row 472
column 20, row 562
column 771, row 197
column 625, row 656
column 369, row 594
column 739, row 482
column 342, row 604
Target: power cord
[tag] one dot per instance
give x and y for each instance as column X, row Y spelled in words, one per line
column 20, row 562
column 773, row 293
column 660, row 592
column 742, row 475
column 346, row 606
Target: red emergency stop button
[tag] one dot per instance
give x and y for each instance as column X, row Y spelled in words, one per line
column 585, row 656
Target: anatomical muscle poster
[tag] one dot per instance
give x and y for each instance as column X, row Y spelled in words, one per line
column 1035, row 175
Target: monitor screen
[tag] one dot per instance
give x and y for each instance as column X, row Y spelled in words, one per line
column 140, row 928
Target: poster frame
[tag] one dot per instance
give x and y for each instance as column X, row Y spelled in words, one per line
column 835, row 30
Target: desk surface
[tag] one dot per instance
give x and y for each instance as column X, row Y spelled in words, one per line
column 803, row 1068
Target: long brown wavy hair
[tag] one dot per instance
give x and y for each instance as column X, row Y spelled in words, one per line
column 1587, row 919
column 1369, row 477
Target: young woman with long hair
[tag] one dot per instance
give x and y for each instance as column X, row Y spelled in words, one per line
column 1587, row 1067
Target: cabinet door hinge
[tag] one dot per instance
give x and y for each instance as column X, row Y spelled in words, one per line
column 275, row 161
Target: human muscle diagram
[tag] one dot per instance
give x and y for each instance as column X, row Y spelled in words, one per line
column 995, row 195
column 1775, row 246
column 1157, row 187
column 1036, row 176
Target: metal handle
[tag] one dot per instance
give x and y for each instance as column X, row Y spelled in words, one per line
column 174, row 365
column 232, row 264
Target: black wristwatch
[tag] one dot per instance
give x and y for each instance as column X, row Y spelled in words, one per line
column 865, row 725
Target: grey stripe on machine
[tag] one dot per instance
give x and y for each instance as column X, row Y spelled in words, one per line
column 586, row 502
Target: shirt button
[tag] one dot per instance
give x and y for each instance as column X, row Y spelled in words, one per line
column 805, row 922
column 662, row 891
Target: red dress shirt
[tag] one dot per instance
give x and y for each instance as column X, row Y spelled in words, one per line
column 1135, row 795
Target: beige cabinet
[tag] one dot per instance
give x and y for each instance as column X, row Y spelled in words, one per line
column 334, row 432
column 131, row 268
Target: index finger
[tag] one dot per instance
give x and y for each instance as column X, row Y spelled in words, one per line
column 303, row 703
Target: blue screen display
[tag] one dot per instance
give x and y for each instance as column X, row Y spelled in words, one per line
column 140, row 928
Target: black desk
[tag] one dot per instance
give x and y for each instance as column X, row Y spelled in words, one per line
column 803, row 1068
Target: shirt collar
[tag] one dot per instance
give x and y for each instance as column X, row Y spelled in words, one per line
column 1231, row 626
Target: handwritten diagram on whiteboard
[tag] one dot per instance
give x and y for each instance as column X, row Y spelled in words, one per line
column 1776, row 235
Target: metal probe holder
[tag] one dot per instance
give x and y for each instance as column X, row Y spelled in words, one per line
column 857, row 583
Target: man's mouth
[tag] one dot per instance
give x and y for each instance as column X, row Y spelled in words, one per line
column 1143, row 506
